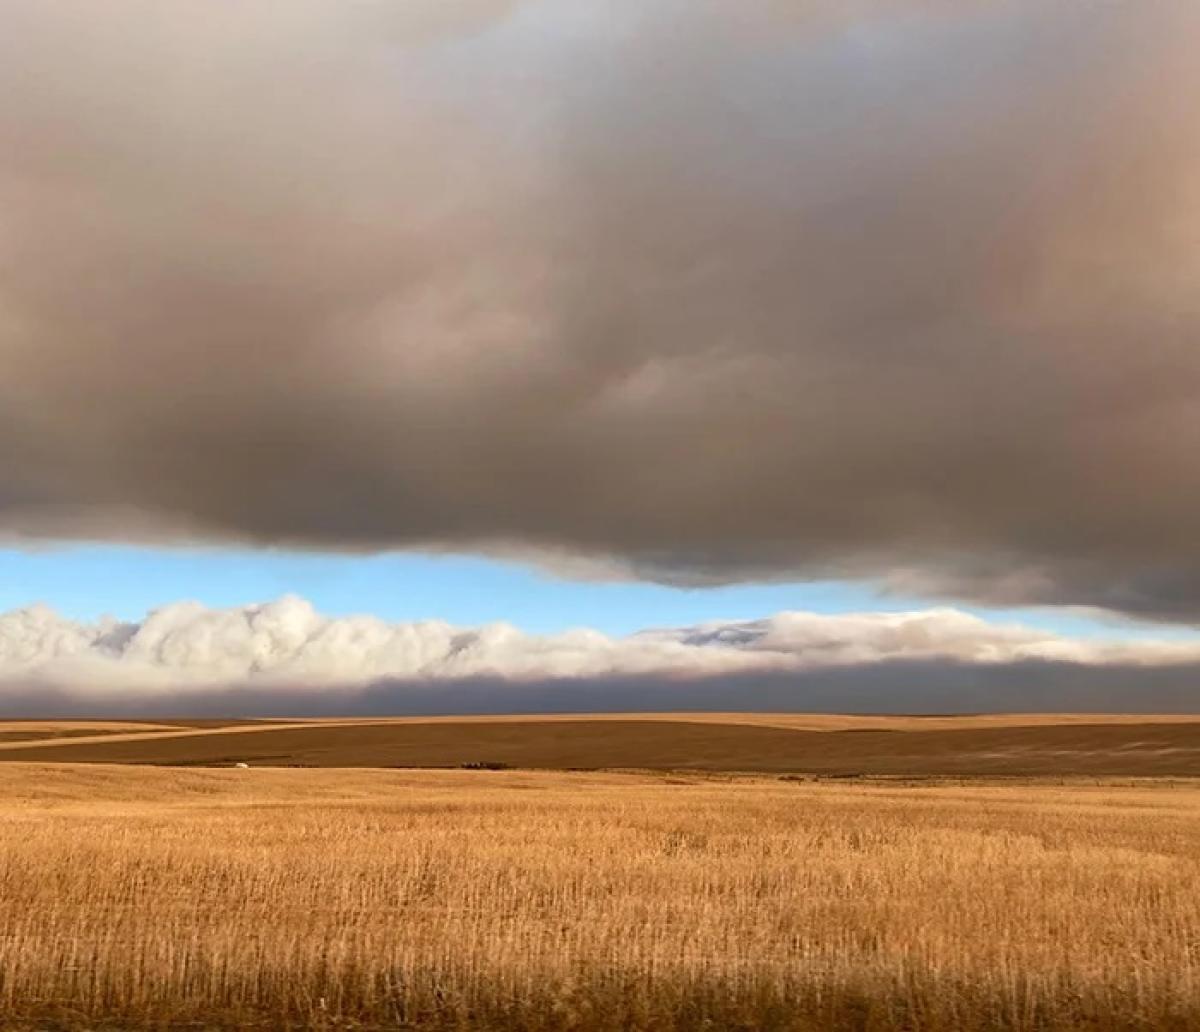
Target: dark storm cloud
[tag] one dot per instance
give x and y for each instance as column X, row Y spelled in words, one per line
column 701, row 291
column 894, row 687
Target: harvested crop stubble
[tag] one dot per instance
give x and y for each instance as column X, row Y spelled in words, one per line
column 461, row 899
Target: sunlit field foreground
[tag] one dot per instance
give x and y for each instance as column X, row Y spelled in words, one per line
column 139, row 897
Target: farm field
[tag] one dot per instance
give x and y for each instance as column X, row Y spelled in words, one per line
column 1014, row 745
column 138, row 897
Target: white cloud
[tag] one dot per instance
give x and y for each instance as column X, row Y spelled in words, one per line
column 287, row 643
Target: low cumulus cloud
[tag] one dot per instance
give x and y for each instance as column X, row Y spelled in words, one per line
column 697, row 291
column 285, row 657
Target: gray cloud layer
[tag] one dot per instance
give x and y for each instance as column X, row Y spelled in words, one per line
column 695, row 290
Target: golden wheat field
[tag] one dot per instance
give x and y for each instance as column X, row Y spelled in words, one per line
column 136, row 897
column 969, row 746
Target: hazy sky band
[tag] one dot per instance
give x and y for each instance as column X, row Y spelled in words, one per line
column 285, row 654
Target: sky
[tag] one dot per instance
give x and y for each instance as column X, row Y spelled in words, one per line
column 89, row 582
column 126, row 582
column 742, row 351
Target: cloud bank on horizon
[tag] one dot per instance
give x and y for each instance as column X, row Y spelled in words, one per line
column 693, row 291
column 185, row 655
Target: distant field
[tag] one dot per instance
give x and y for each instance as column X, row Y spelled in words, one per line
column 1015, row 745
column 30, row 730
column 145, row 898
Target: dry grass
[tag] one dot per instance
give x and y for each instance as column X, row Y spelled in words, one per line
column 134, row 897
